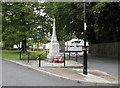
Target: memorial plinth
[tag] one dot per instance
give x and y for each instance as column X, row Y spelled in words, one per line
column 54, row 45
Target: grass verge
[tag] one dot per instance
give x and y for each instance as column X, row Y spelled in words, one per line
column 15, row 55
column 10, row 54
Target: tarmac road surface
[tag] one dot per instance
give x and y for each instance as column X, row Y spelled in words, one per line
column 108, row 65
column 16, row 75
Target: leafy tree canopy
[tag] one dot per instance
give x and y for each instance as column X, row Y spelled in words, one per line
column 21, row 21
column 102, row 20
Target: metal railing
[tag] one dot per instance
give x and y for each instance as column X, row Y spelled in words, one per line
column 23, row 56
column 27, row 56
column 76, row 55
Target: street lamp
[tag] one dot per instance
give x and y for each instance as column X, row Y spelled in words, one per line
column 85, row 48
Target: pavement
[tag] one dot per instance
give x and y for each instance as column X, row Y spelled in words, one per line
column 73, row 71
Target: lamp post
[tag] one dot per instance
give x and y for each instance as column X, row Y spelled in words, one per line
column 85, row 48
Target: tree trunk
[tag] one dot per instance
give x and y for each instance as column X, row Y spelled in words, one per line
column 24, row 48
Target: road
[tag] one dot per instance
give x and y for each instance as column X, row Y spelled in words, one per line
column 16, row 75
column 108, row 65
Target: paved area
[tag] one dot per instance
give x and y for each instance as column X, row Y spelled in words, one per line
column 109, row 65
column 72, row 71
column 69, row 63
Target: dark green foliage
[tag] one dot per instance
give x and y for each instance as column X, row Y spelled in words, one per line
column 21, row 21
column 102, row 20
column 108, row 22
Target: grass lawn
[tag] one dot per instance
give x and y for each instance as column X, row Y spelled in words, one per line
column 10, row 54
column 15, row 55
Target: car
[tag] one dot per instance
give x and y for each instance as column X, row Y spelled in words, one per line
column 57, row 60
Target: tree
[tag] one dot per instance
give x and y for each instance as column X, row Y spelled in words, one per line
column 101, row 26
column 21, row 21
column 59, row 11
column 17, row 21
column 0, row 22
column 107, row 22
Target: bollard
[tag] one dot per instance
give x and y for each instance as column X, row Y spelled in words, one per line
column 20, row 55
column 39, row 61
column 69, row 55
column 76, row 56
column 46, row 52
column 28, row 56
column 64, row 59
